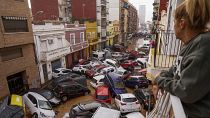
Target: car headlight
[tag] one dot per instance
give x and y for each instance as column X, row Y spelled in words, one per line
column 42, row 114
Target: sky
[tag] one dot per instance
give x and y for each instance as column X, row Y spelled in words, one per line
column 136, row 3
column 149, row 7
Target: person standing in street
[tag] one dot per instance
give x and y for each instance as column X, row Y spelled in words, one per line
column 189, row 80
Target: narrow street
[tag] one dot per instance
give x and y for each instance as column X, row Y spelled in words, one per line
column 65, row 107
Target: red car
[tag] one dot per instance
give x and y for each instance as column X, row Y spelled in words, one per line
column 102, row 94
column 90, row 73
column 128, row 64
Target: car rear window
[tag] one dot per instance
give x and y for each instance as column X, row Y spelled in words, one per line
column 129, row 99
column 102, row 97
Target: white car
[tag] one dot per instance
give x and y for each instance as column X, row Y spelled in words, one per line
column 134, row 115
column 61, row 71
column 142, row 61
column 127, row 103
column 117, row 55
column 99, row 54
column 38, row 105
column 80, row 68
column 110, row 62
column 97, row 81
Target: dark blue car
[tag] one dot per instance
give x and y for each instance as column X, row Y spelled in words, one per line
column 115, row 84
column 137, row 82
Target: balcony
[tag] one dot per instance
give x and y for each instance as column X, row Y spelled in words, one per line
column 162, row 57
column 79, row 46
column 167, row 106
column 167, row 49
column 54, row 54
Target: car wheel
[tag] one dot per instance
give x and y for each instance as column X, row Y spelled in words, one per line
column 136, row 86
column 64, row 98
column 35, row 115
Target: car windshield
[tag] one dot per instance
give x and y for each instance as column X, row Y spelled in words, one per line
column 102, row 97
column 119, row 85
column 47, row 94
column 66, row 71
column 44, row 105
column 56, row 71
column 129, row 99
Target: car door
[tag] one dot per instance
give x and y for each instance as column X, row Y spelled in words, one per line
column 32, row 103
column 79, row 90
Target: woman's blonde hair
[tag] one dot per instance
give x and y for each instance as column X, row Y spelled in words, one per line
column 196, row 12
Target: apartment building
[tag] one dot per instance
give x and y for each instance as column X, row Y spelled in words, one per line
column 59, row 10
column 51, row 48
column 17, row 57
column 75, row 35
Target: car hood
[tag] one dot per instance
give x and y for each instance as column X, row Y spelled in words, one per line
column 55, row 100
column 121, row 69
column 48, row 113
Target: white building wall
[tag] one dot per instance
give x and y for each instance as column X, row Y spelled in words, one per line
column 49, row 42
column 114, row 10
column 142, row 13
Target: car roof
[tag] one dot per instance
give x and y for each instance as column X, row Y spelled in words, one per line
column 98, row 77
column 59, row 69
column 136, row 76
column 135, row 115
column 127, row 95
column 63, row 84
column 103, row 112
column 38, row 96
column 110, row 60
column 107, row 68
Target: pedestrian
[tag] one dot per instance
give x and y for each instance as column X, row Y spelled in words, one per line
column 189, row 80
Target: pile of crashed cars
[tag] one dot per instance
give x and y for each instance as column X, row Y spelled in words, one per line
column 109, row 72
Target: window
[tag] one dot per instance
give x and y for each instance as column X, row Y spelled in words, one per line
column 93, row 35
column 88, row 34
column 81, row 36
column 10, row 53
column 32, row 99
column 72, row 38
column 15, row 24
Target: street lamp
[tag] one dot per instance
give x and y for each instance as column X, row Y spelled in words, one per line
column 83, row 10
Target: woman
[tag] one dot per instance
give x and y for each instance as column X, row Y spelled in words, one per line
column 190, row 79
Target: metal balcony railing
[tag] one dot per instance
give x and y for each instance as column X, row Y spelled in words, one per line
column 167, row 106
column 166, row 49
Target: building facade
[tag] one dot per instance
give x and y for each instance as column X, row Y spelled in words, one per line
column 17, row 58
column 75, row 35
column 124, row 20
column 59, row 10
column 132, row 19
column 91, row 36
column 116, row 25
column 102, row 12
column 114, row 10
column 51, row 48
column 142, row 14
